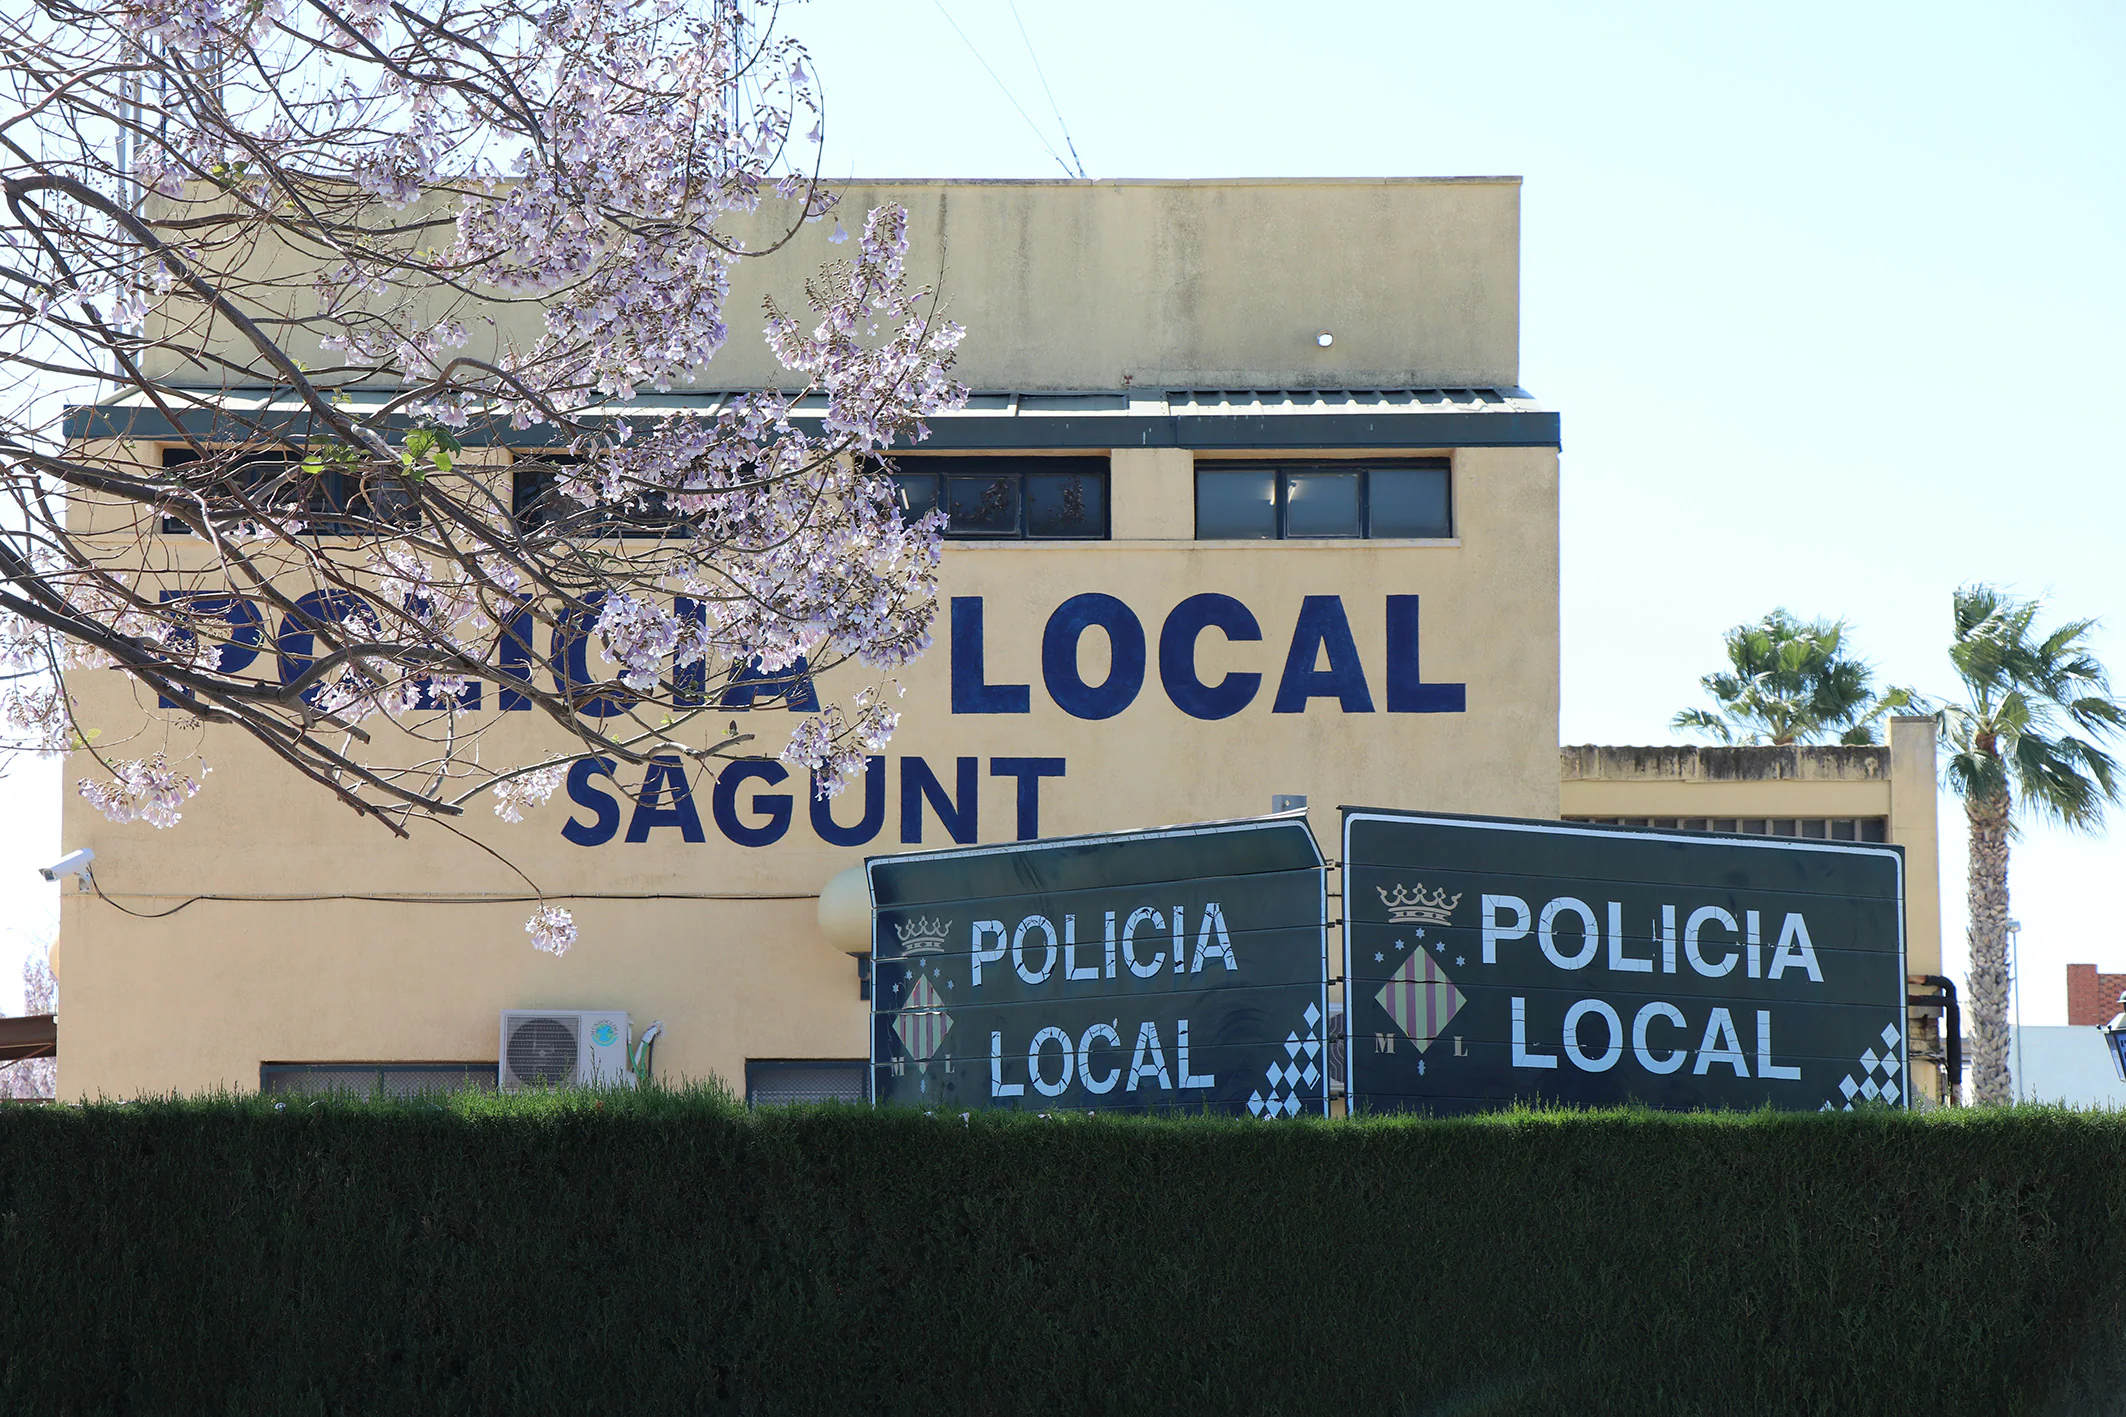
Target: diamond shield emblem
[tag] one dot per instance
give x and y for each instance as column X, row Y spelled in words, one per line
column 922, row 1024
column 1421, row 999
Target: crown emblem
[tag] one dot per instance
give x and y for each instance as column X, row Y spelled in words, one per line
column 1407, row 907
column 923, row 937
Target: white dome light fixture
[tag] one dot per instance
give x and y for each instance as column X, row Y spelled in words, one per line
column 1324, row 339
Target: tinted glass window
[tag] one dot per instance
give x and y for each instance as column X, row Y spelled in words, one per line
column 1321, row 504
column 1253, row 501
column 1000, row 497
column 1065, row 504
column 536, row 502
column 276, row 482
column 531, row 494
column 1408, row 502
column 918, row 495
column 982, row 505
column 1236, row 505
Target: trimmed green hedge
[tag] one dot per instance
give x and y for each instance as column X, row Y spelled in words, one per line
column 669, row 1253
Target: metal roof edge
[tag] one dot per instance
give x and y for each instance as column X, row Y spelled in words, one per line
column 1405, row 180
column 1491, row 428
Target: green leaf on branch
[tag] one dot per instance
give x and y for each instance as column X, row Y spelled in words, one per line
column 433, row 444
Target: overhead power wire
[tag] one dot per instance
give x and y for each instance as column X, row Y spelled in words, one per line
column 1040, row 74
column 1009, row 96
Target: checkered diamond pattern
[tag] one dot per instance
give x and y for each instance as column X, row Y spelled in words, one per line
column 1865, row 1083
column 1282, row 1097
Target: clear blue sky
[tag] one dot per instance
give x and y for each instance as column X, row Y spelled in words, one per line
column 1829, row 296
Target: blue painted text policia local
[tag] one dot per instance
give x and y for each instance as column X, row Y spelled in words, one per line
column 1321, row 662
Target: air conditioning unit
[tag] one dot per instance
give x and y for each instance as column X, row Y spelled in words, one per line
column 564, row 1048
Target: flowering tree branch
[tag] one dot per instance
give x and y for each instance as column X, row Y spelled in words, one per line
column 329, row 257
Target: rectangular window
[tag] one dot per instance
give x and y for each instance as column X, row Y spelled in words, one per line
column 277, row 482
column 375, row 1079
column 1871, row 829
column 535, row 504
column 1324, row 501
column 1008, row 499
column 782, row 1080
column 1407, row 502
column 1318, row 503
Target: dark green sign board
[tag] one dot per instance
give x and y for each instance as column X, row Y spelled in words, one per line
column 1134, row 971
column 1489, row 961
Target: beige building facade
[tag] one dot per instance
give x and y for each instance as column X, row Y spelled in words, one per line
column 1178, row 351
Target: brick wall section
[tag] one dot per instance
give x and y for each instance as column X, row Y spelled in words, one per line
column 2092, row 998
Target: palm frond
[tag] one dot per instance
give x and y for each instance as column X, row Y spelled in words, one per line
column 2069, row 781
column 2093, row 714
column 1788, row 681
column 2028, row 696
column 1699, row 721
column 1975, row 776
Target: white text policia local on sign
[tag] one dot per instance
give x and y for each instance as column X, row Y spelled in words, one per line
column 1322, row 662
column 1508, row 918
column 1149, row 1061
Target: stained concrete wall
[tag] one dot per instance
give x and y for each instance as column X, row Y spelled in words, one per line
column 1097, row 285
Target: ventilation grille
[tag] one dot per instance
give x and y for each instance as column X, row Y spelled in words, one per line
column 542, row 1052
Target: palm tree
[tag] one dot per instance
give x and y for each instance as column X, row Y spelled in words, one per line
column 1792, row 682
column 2027, row 738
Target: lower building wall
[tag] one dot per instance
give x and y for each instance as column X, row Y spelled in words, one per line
column 203, row 998
column 378, row 981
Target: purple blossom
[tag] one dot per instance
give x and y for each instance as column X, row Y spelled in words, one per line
column 596, row 159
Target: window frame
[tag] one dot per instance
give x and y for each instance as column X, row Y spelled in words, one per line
column 1282, row 468
column 938, row 467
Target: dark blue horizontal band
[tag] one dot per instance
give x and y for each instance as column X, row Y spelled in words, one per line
column 1386, row 430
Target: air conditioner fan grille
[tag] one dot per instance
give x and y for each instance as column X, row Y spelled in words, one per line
column 542, row 1051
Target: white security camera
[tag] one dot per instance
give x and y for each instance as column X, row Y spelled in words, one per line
column 74, row 863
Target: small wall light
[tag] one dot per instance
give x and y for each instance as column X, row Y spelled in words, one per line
column 2115, row 1037
column 1324, row 339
